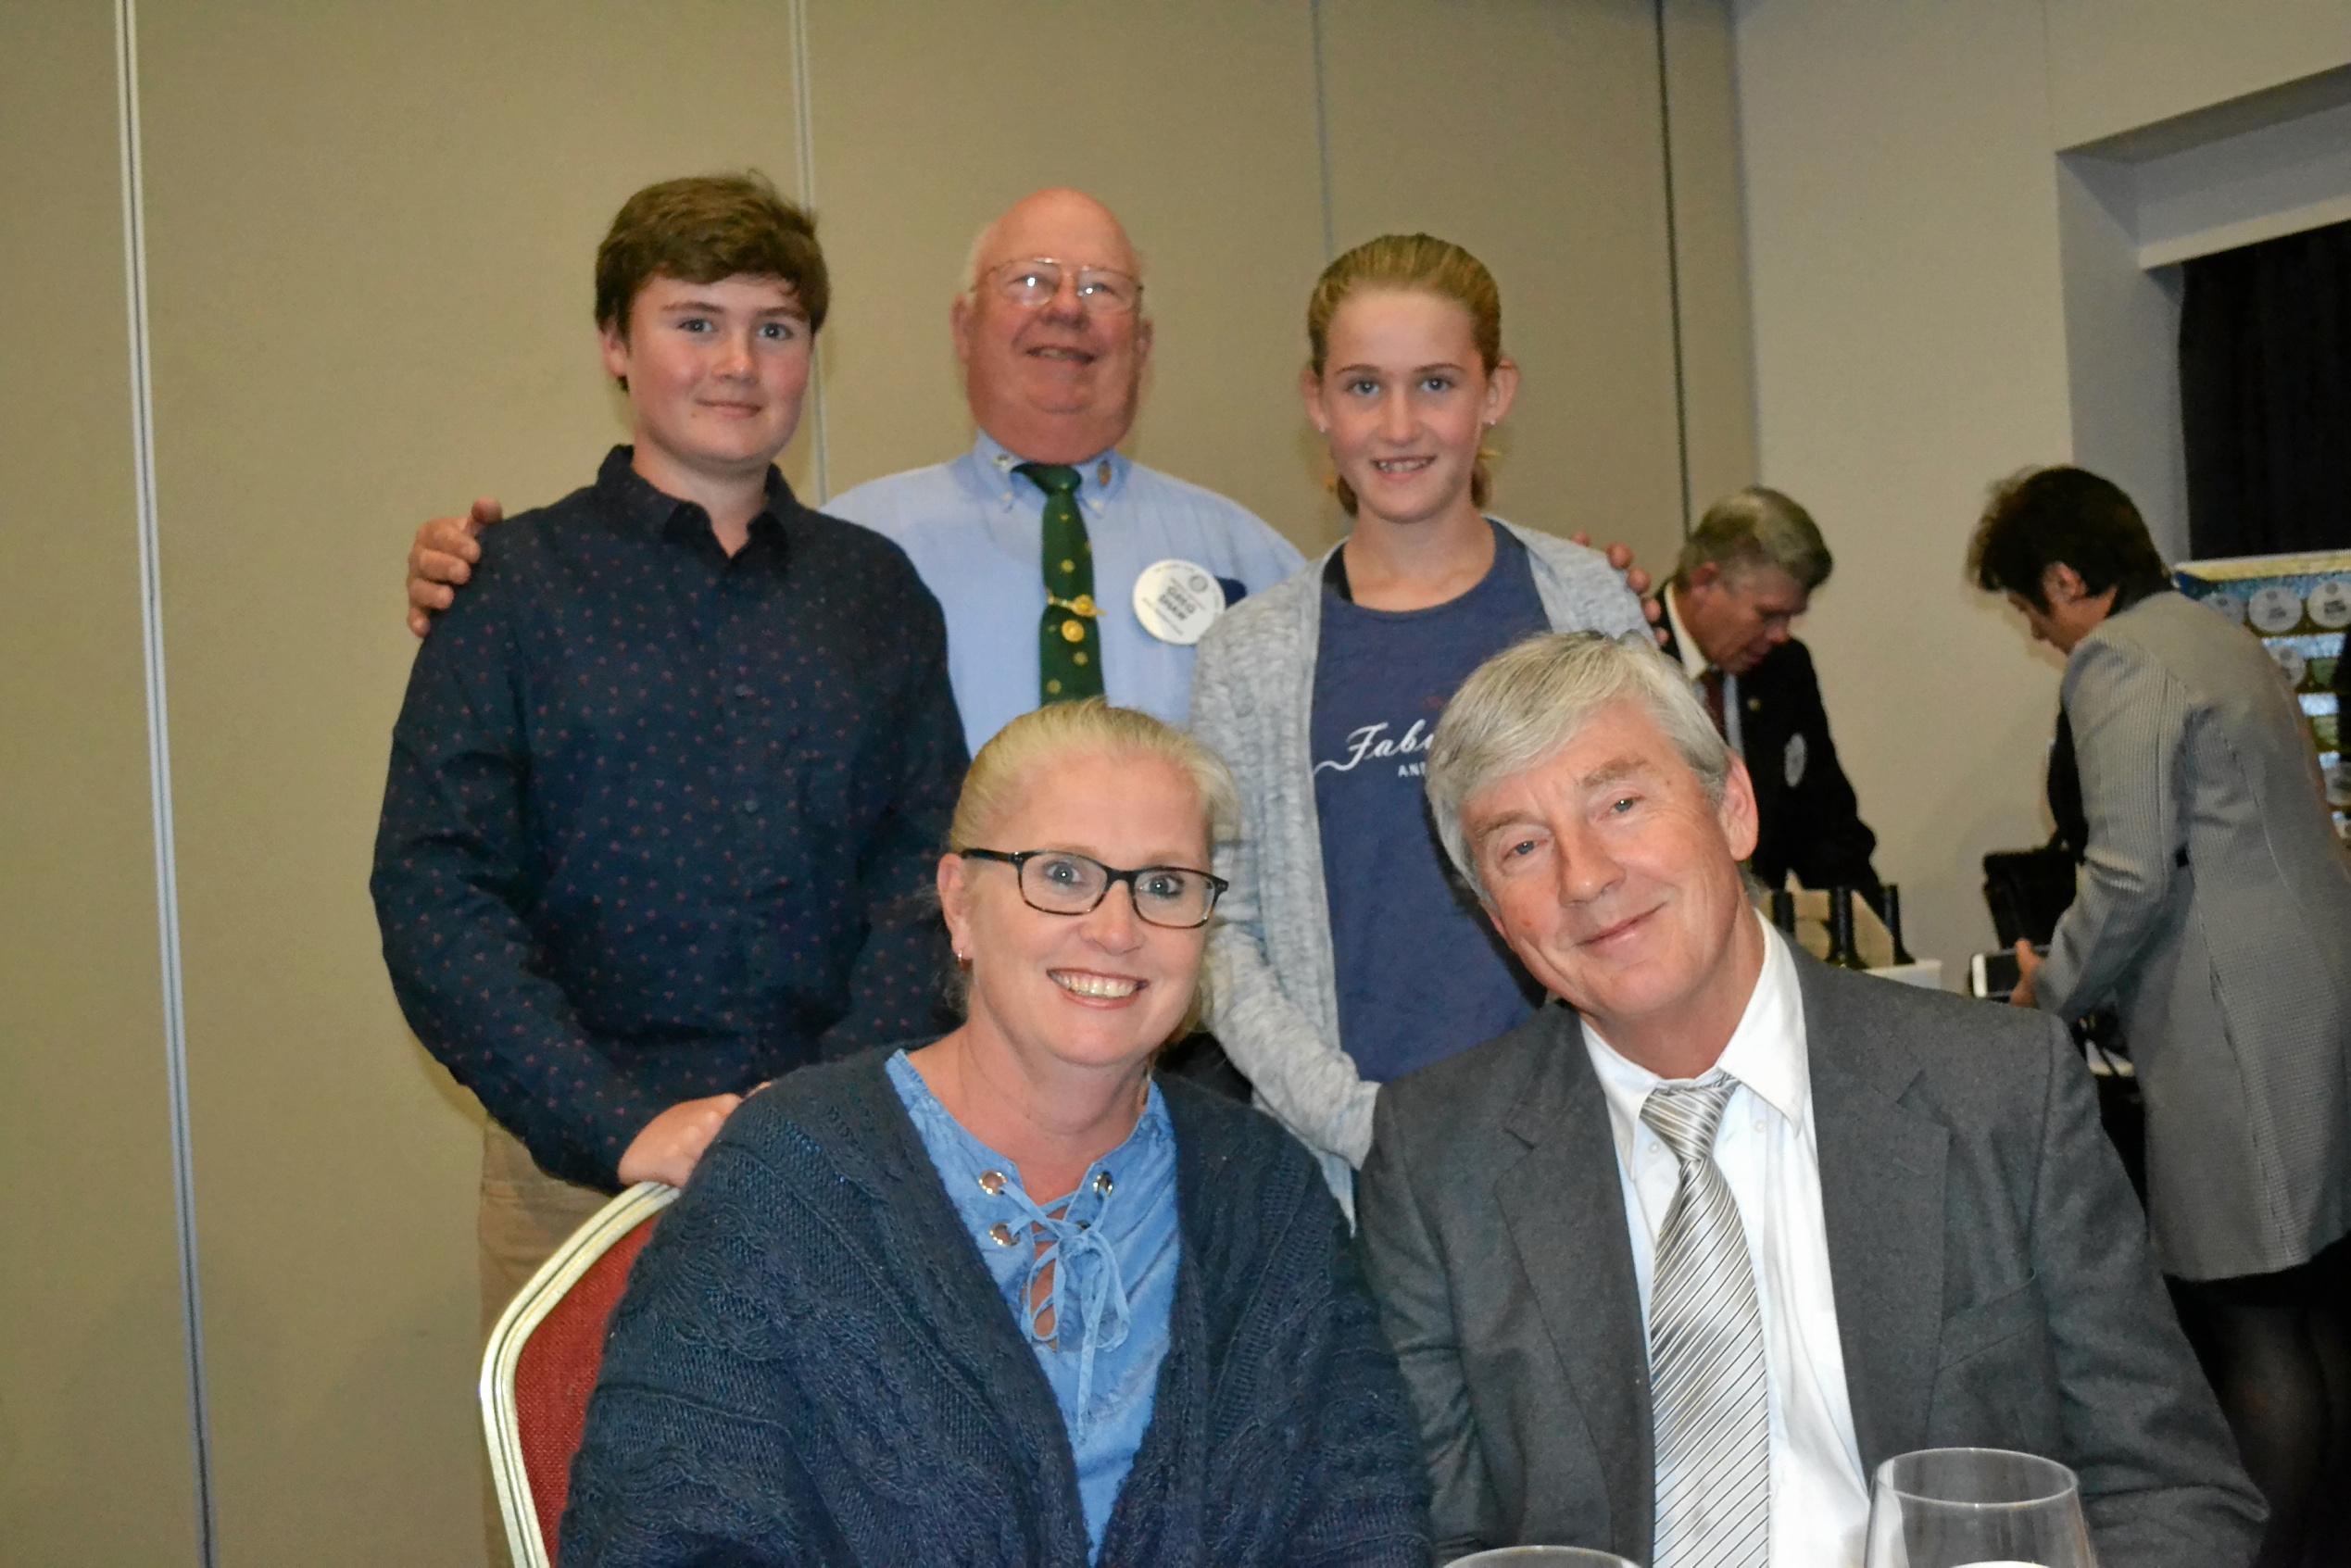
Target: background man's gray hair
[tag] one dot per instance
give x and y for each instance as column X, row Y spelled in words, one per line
column 1531, row 699
column 1757, row 527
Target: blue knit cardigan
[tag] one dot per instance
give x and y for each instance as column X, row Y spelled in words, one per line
column 812, row 1365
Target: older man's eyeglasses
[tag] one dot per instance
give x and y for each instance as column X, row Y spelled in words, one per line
column 1059, row 882
column 1033, row 284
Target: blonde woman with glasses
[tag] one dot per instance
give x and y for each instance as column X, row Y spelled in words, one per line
column 1004, row 1297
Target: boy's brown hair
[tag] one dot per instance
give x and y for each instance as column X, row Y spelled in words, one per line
column 701, row 229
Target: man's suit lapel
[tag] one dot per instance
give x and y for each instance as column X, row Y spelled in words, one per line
column 1564, row 1206
column 1882, row 1197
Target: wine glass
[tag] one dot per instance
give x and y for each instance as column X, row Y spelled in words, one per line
column 1541, row 1557
column 1975, row 1508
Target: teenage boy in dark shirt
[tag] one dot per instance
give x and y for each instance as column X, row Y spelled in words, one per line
column 671, row 779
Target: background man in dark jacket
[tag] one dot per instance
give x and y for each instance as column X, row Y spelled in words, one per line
column 1747, row 570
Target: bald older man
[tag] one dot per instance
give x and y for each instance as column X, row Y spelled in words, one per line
column 1034, row 541
column 1053, row 335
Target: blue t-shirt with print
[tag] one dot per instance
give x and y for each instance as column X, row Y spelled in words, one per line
column 1421, row 975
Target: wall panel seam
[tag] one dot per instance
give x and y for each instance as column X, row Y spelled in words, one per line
column 175, row 1040
column 1322, row 129
column 1673, row 267
column 804, row 135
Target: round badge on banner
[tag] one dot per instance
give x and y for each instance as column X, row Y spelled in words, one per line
column 1177, row 602
column 2226, row 605
column 2291, row 661
column 2275, row 610
column 2330, row 604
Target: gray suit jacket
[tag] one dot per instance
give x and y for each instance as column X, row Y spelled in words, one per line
column 1991, row 1276
column 2215, row 907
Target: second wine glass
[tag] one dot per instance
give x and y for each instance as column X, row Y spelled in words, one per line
column 1975, row 1508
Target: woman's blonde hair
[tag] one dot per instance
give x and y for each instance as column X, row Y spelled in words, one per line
column 1051, row 735
column 1418, row 263
column 1046, row 737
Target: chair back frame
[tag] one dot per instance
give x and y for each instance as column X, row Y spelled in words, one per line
column 501, row 1418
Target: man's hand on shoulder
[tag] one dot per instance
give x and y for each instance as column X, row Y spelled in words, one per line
column 442, row 558
column 672, row 1144
column 1620, row 555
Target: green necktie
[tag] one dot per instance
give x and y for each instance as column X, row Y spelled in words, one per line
column 1069, row 645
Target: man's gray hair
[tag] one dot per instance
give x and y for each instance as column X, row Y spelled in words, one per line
column 1757, row 527
column 969, row 284
column 1523, row 705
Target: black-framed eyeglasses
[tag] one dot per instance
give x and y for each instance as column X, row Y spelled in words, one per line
column 1058, row 881
column 1032, row 284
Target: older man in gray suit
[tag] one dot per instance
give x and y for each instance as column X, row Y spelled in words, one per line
column 1673, row 1266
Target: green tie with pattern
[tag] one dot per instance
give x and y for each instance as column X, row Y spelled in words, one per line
column 1069, row 645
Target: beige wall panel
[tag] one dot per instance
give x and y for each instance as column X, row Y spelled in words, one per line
column 1710, row 243
column 1910, row 347
column 372, row 230
column 96, row 1457
column 1528, row 130
column 1921, row 329
column 2124, row 64
column 1195, row 122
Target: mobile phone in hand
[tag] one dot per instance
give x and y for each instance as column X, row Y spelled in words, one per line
column 1994, row 976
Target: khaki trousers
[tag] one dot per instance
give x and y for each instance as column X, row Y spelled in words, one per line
column 525, row 1215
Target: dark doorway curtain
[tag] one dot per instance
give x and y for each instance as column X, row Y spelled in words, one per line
column 2265, row 393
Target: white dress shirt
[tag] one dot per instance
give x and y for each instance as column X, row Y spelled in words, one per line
column 1695, row 665
column 1770, row 1154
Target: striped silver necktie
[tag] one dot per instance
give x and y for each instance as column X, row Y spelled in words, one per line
column 1710, row 1391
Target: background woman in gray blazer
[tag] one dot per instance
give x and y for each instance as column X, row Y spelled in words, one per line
column 2215, row 910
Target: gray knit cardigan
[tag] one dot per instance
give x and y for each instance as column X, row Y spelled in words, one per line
column 1273, row 985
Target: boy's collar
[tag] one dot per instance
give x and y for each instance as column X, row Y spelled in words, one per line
column 643, row 504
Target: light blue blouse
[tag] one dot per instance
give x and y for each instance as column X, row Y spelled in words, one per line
column 1113, row 1245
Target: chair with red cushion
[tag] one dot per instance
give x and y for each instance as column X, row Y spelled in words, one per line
column 542, row 1362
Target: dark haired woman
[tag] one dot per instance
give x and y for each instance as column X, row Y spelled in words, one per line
column 2215, row 910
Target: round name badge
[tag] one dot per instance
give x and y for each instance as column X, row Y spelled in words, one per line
column 2226, row 605
column 1794, row 759
column 2330, row 604
column 2274, row 610
column 1177, row 602
column 2291, row 661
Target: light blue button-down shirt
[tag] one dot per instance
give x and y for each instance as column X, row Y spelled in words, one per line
column 1114, row 1248
column 975, row 530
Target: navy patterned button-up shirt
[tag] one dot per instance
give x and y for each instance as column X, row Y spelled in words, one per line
column 662, row 823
